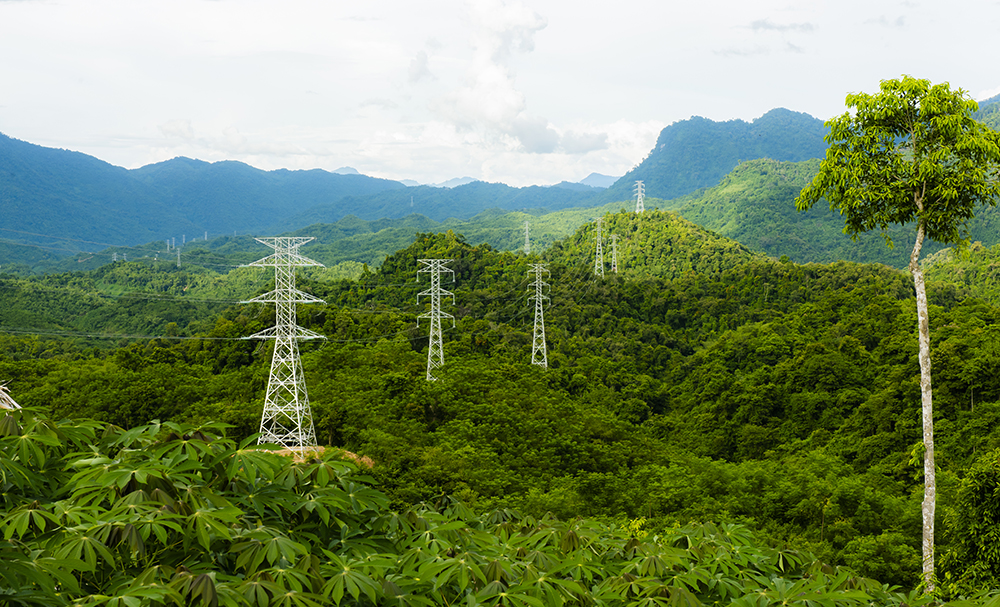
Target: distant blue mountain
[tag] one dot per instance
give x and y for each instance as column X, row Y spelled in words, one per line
column 597, row 180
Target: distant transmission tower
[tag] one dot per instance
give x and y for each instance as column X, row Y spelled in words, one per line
column 435, row 350
column 287, row 418
column 527, row 242
column 599, row 259
column 614, row 253
column 640, row 195
column 539, row 353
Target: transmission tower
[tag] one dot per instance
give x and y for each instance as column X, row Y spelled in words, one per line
column 614, row 253
column 287, row 418
column 527, row 242
column 435, row 350
column 599, row 259
column 539, row 353
column 640, row 195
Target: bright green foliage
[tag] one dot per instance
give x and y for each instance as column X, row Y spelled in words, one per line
column 652, row 244
column 752, row 205
column 910, row 152
column 989, row 113
column 169, row 514
column 975, row 268
column 974, row 561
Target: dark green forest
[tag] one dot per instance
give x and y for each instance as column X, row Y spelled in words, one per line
column 705, row 389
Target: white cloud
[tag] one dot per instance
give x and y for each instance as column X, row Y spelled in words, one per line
column 385, row 104
column 489, row 99
column 766, row 25
column 535, row 134
column 419, row 68
column 177, row 128
column 883, row 21
column 581, row 143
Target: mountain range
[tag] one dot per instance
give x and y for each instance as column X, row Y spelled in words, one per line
column 69, row 201
column 735, row 177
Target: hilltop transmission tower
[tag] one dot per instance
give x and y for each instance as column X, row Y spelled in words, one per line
column 599, row 258
column 435, row 350
column 527, row 241
column 539, row 353
column 614, row 253
column 640, row 195
column 287, row 417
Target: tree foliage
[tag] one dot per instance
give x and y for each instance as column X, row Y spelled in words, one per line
column 911, row 153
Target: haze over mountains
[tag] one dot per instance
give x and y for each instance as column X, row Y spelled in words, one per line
column 68, row 202
column 66, row 194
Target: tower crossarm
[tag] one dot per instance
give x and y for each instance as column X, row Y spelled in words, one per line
column 439, row 315
column 432, row 293
column 295, row 332
column 285, row 295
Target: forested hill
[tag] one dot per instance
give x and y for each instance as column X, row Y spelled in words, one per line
column 707, row 383
column 69, row 196
column 755, row 205
column 72, row 195
column 223, row 197
column 461, row 202
column 698, row 152
column 989, row 112
column 652, row 244
column 68, row 201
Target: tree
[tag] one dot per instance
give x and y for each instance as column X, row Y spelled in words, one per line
column 910, row 154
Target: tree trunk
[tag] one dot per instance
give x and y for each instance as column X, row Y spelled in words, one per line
column 927, row 409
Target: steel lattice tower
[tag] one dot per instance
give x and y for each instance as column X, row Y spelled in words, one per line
column 614, row 253
column 287, row 417
column 527, row 242
column 435, row 349
column 539, row 353
column 640, row 195
column 599, row 258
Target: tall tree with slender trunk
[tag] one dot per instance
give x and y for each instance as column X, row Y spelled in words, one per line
column 910, row 154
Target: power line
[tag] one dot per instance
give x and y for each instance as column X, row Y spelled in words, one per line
column 614, row 253
column 599, row 258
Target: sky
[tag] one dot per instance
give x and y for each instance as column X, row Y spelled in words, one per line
column 521, row 91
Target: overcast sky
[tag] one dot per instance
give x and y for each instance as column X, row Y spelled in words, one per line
column 522, row 92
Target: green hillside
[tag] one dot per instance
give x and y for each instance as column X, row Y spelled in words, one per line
column 975, row 269
column 710, row 384
column 989, row 113
column 460, row 202
column 755, row 205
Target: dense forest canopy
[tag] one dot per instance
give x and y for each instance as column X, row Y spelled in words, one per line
column 703, row 383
